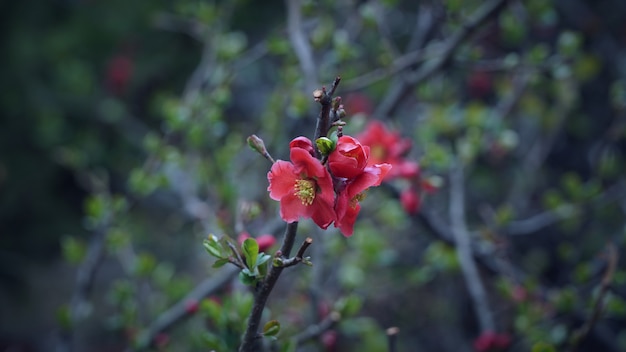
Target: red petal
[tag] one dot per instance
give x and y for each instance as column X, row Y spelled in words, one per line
column 291, row 208
column 282, row 179
column 323, row 213
column 346, row 222
column 304, row 143
column 306, row 164
column 371, row 176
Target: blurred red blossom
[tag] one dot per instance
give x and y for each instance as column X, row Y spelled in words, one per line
column 490, row 341
column 388, row 147
column 118, row 73
column 191, row 306
column 265, row 241
column 410, row 200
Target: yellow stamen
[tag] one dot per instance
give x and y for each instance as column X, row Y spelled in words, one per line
column 356, row 199
column 305, row 190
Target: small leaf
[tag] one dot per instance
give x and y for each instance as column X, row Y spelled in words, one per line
column 220, row 263
column 271, row 328
column 74, row 250
column 277, row 262
column 246, row 277
column 250, row 250
column 212, row 246
column 262, row 258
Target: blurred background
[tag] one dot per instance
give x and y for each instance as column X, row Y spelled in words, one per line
column 122, row 146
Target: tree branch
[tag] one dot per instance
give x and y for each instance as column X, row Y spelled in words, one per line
column 579, row 334
column 464, row 248
column 252, row 339
column 300, row 43
column 178, row 312
column 487, row 11
column 314, row 331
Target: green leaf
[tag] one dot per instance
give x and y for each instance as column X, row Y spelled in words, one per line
column 262, row 259
column 144, row 264
column 63, row 316
column 220, row 263
column 246, row 277
column 250, row 250
column 271, row 328
column 74, row 250
column 212, row 245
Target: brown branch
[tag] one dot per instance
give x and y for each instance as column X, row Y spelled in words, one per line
column 252, row 339
column 299, row 256
column 323, row 119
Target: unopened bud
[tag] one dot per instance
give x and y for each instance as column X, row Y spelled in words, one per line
column 337, row 103
column 341, row 112
column 318, row 94
column 325, row 145
column 256, row 143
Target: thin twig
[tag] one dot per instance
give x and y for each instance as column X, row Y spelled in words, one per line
column 299, row 256
column 300, row 43
column 392, row 337
column 323, row 119
column 581, row 333
column 242, row 263
column 314, row 331
column 487, row 11
column 464, row 248
column 178, row 312
column 252, row 339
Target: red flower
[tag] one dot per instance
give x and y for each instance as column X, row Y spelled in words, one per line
column 265, row 242
column 348, row 207
column 410, row 200
column 304, row 143
column 490, row 341
column 191, row 306
column 349, row 158
column 388, row 147
column 304, row 188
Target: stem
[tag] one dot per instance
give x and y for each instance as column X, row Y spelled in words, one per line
column 323, row 119
column 392, row 334
column 252, row 339
column 581, row 333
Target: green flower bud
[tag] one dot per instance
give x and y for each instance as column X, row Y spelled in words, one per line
column 325, row 145
column 257, row 144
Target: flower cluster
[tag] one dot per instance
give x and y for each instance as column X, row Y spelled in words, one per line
column 327, row 192
column 389, row 147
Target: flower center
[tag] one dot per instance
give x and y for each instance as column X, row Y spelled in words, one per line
column 305, row 190
column 378, row 152
column 356, row 199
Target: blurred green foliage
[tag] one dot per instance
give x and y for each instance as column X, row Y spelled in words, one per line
column 126, row 122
